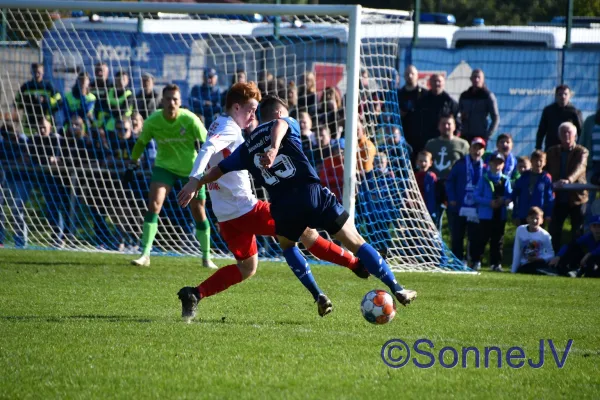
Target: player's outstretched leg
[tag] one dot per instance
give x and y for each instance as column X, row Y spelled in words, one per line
column 374, row 263
column 219, row 281
column 326, row 250
column 197, row 206
column 300, row 267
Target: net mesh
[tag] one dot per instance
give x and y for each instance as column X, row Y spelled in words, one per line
column 64, row 151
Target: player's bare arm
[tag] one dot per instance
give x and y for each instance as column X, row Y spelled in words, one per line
column 212, row 175
column 278, row 132
column 190, row 189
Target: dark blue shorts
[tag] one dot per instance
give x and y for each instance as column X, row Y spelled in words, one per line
column 308, row 206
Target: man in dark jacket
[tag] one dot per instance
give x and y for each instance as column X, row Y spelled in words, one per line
column 429, row 110
column 408, row 97
column 37, row 98
column 475, row 105
column 555, row 114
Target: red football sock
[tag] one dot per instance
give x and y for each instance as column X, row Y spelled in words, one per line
column 329, row 251
column 220, row 280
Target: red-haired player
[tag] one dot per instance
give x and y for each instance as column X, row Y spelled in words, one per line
column 241, row 215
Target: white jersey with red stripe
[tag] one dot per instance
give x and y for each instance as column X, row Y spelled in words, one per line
column 231, row 195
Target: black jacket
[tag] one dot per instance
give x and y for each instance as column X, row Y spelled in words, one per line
column 552, row 117
column 427, row 115
column 475, row 106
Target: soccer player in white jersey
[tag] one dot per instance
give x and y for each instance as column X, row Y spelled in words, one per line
column 240, row 214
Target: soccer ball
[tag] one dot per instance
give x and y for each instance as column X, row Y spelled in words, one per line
column 378, row 307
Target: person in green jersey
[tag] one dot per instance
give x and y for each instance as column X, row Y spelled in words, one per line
column 176, row 132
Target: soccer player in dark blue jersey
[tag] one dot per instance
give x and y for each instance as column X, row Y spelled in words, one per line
column 273, row 155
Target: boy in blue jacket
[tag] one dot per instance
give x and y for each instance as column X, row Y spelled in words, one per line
column 460, row 187
column 533, row 189
column 492, row 195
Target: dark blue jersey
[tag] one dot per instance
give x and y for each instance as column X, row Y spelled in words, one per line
column 291, row 168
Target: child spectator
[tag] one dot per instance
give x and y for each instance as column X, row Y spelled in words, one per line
column 460, row 187
column 581, row 257
column 533, row 245
column 365, row 155
column 533, row 188
column 382, row 171
column 504, row 146
column 523, row 164
column 309, row 139
column 427, row 180
column 492, row 195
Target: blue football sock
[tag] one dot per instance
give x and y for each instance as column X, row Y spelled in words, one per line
column 377, row 266
column 302, row 271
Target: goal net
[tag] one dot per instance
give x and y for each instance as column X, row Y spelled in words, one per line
column 70, row 121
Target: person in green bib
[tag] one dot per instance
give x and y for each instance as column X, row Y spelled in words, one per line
column 175, row 131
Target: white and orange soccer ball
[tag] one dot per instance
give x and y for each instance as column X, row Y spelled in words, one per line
column 378, row 307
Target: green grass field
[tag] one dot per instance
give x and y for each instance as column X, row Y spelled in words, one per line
column 79, row 325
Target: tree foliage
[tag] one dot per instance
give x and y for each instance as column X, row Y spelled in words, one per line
column 26, row 25
column 495, row 12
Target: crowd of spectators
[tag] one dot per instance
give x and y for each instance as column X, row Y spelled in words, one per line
column 444, row 142
column 480, row 190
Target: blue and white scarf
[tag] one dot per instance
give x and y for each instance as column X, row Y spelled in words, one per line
column 468, row 208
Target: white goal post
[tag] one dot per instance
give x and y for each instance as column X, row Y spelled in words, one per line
column 351, row 53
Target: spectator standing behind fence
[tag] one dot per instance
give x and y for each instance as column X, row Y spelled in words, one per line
column 120, row 100
column 100, row 88
column 533, row 245
column 567, row 163
column 430, row 108
column 147, row 99
column 492, row 195
column 307, row 94
column 331, row 112
column 205, row 99
column 460, row 189
column 555, row 114
column 476, row 105
column 533, row 189
column 80, row 101
column 408, row 97
column 37, row 98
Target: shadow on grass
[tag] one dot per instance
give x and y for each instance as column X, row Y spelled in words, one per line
column 232, row 321
column 68, row 318
column 51, row 263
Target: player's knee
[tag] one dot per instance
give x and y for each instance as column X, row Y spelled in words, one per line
column 285, row 243
column 154, row 206
column 248, row 267
column 350, row 237
column 309, row 236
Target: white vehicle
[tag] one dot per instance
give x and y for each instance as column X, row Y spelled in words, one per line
column 547, row 37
